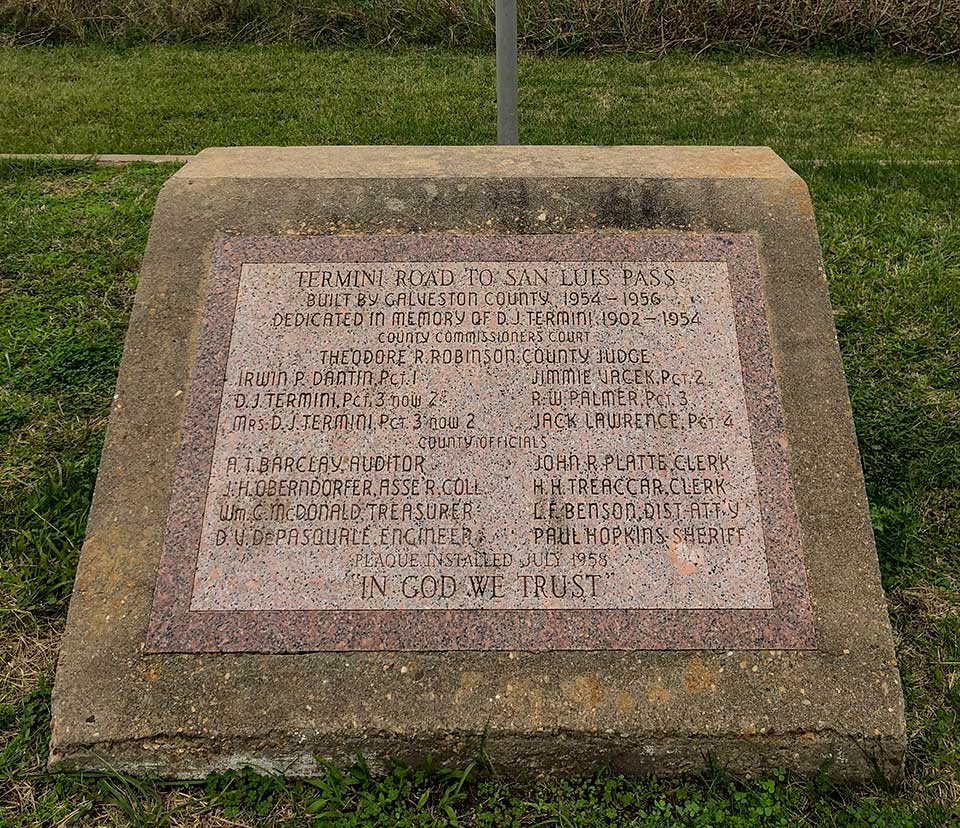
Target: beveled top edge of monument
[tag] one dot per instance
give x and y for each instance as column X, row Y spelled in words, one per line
column 344, row 162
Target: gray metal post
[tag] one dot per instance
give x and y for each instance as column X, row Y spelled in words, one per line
column 507, row 72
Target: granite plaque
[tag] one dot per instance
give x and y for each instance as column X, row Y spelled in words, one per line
column 448, row 442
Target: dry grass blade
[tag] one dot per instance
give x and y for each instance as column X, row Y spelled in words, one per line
column 926, row 27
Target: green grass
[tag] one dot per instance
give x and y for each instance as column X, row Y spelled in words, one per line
column 71, row 237
column 176, row 99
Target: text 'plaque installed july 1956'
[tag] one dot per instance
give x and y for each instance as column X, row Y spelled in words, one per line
column 448, row 442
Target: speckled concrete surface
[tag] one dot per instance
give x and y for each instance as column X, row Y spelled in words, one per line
column 839, row 705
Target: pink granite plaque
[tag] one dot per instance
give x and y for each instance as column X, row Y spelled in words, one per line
column 449, row 442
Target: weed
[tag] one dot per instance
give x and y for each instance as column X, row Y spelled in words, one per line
column 652, row 27
column 243, row 792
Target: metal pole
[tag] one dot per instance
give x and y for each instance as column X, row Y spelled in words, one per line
column 507, row 72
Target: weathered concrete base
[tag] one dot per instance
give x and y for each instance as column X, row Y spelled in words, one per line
column 530, row 756
column 838, row 706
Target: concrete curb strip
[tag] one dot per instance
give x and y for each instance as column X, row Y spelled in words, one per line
column 108, row 160
column 118, row 159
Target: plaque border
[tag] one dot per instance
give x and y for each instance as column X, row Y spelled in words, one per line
column 788, row 625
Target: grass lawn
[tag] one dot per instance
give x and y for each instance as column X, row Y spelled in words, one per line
column 173, row 99
column 71, row 237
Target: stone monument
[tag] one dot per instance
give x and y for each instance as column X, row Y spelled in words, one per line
column 543, row 450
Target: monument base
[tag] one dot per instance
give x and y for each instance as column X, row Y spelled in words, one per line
column 761, row 641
